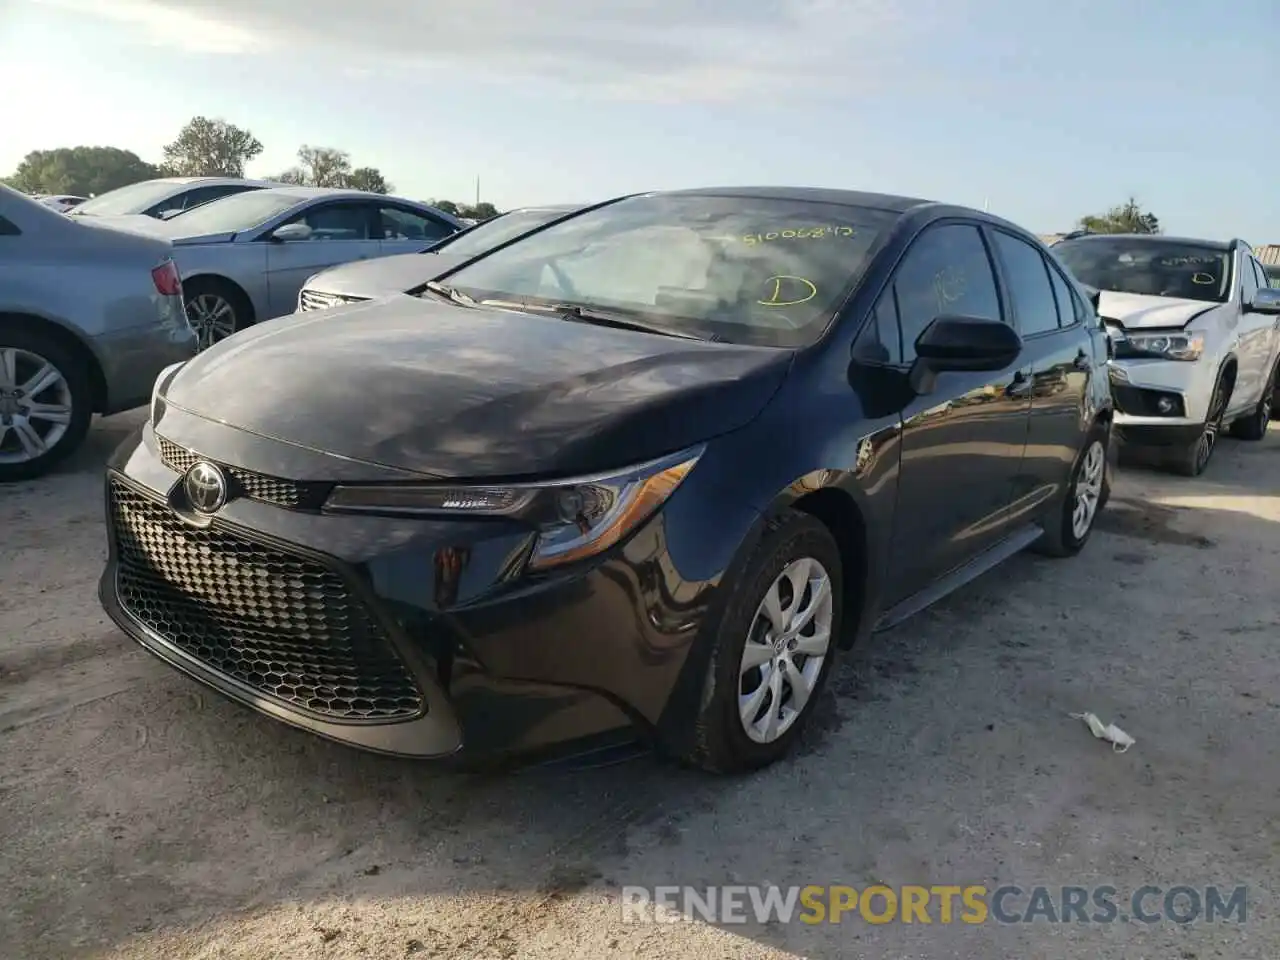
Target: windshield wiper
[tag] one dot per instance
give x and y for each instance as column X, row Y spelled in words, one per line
column 573, row 311
column 443, row 290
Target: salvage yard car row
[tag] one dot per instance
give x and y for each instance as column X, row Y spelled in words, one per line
column 643, row 468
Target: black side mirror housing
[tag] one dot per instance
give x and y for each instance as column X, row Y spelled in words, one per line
column 959, row 343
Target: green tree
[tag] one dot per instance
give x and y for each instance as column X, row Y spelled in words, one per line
column 330, row 167
column 448, row 206
column 370, row 179
column 210, row 148
column 1128, row 217
column 480, row 211
column 82, row 171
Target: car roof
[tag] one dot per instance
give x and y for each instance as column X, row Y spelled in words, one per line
column 1223, row 245
column 188, row 181
column 849, row 198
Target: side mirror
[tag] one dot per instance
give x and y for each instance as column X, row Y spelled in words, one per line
column 290, row 232
column 1095, row 296
column 955, row 343
column 1265, row 301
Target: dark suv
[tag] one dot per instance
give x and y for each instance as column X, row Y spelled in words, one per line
column 648, row 468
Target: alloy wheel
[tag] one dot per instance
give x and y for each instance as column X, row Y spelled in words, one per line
column 1088, row 491
column 35, row 405
column 212, row 317
column 1212, row 427
column 788, row 641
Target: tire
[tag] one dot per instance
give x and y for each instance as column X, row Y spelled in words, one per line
column 721, row 742
column 32, row 445
column 1254, row 426
column 1089, row 491
column 1190, row 461
column 216, row 309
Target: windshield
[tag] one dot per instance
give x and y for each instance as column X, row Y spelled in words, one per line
column 493, row 232
column 240, row 211
column 750, row 270
column 1150, row 266
column 134, row 198
column 1273, row 275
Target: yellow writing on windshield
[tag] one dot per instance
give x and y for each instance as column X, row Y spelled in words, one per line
column 783, row 291
column 799, row 233
column 949, row 285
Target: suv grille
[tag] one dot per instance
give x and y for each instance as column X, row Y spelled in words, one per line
column 246, row 483
column 284, row 625
column 315, row 300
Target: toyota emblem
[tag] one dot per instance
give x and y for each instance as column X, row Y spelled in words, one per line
column 206, row 487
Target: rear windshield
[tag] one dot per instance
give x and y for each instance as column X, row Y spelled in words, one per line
column 1150, row 266
column 750, row 270
column 1273, row 275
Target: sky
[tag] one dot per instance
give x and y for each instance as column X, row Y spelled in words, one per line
column 1043, row 111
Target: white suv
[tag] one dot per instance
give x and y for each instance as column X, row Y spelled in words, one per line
column 1196, row 336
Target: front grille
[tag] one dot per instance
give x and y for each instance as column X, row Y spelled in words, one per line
column 286, row 626
column 315, row 300
column 293, row 494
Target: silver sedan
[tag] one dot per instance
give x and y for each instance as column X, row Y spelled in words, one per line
column 88, row 317
column 245, row 258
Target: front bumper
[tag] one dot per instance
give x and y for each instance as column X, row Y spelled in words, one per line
column 1160, row 402
column 416, row 637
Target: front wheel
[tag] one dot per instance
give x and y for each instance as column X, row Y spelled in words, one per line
column 1191, row 460
column 773, row 646
column 215, row 310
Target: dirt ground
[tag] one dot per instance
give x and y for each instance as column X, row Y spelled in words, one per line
column 141, row 816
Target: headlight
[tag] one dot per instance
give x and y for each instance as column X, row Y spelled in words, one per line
column 161, row 385
column 574, row 519
column 1173, row 345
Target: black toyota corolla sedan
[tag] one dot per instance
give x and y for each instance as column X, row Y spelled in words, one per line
column 648, row 468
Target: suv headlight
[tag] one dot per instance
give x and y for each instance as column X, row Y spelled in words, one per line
column 161, row 386
column 1171, row 345
column 575, row 518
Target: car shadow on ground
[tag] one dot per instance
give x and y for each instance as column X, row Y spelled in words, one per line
column 164, row 821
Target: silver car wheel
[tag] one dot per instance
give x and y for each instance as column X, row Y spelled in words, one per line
column 212, row 317
column 787, row 643
column 1088, row 489
column 35, row 405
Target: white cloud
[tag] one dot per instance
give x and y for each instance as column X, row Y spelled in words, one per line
column 657, row 50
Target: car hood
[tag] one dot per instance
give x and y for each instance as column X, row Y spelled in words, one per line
column 169, row 230
column 1136, row 311
column 455, row 392
column 383, row 276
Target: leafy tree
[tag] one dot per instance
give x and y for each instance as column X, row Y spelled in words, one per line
column 370, row 179
column 480, row 211
column 210, row 148
column 329, row 167
column 82, row 171
column 448, row 206
column 1129, row 217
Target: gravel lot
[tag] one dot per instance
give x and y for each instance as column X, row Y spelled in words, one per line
column 141, row 816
